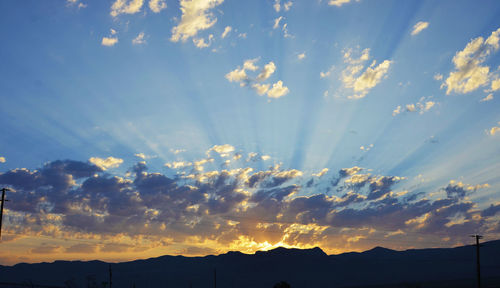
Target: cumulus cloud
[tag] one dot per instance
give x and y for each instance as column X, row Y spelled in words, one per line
column 2, row 160
column 358, row 78
column 157, row 5
column 417, row 28
column 301, row 56
column 495, row 85
column 470, row 72
column 240, row 75
column 223, row 150
column 229, row 208
column 126, row 7
column 139, row 39
column 106, row 163
column 494, row 130
column 423, row 105
column 226, row 32
column 109, row 41
column 196, row 16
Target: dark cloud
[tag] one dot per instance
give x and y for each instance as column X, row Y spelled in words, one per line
column 491, row 211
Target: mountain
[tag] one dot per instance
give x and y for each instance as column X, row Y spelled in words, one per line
column 378, row 267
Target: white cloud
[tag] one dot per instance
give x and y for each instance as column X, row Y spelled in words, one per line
column 2, row 160
column 423, row 105
column 267, row 71
column 277, row 5
column 321, row 173
column 489, row 97
column 226, row 31
column 287, row 5
column 397, row 111
column 240, row 75
column 359, row 81
column 195, row 17
column 157, row 5
column 242, row 35
column 301, row 56
column 285, row 31
column 494, row 130
column 470, row 74
column 277, row 22
column 261, row 89
column 106, row 163
column 109, row 41
column 327, row 73
column 126, row 7
column 178, row 164
column 140, row 155
column 222, row 150
column 139, row 39
column 278, row 90
column 438, row 77
column 417, row 28
column 495, row 85
column 201, row 43
column 338, row 3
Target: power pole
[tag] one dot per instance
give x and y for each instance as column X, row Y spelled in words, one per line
column 111, row 278
column 477, row 258
column 1, row 208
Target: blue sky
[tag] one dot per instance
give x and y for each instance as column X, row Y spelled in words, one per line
column 392, row 103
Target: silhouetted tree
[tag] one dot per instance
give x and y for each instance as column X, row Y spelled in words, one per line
column 282, row 284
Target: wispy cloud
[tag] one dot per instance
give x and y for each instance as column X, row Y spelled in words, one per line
column 139, row 40
column 226, row 32
column 419, row 27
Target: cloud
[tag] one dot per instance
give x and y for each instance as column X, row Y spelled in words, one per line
column 321, row 173
column 240, row 75
column 494, row 130
column 423, row 105
column 157, row 5
column 80, row 200
column 361, row 82
column 417, row 28
column 470, row 74
column 438, row 77
column 226, row 31
column 195, row 17
column 287, row 5
column 338, row 3
column 106, row 163
column 139, row 39
column 301, row 56
column 2, row 160
column 109, row 41
column 223, row 150
column 267, row 71
column 201, row 43
column 277, row 22
column 278, row 90
column 140, row 155
column 75, row 2
column 81, row 248
column 277, row 5
column 495, row 85
column 126, row 7
column 489, row 97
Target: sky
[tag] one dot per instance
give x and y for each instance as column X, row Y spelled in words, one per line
column 138, row 128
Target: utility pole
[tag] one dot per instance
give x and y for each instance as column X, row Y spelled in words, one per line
column 1, row 208
column 477, row 258
column 111, row 277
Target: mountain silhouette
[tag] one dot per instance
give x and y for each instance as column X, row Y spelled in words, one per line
column 378, row 267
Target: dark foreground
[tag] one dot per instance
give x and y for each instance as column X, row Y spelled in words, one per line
column 379, row 267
